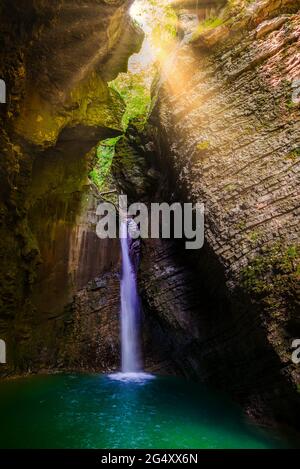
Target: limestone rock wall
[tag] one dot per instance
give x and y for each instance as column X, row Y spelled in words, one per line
column 56, row 58
column 228, row 134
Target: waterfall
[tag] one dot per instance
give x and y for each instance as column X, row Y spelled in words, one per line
column 132, row 369
column 130, row 307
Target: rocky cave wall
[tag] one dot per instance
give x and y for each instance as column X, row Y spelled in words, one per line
column 226, row 131
column 59, row 283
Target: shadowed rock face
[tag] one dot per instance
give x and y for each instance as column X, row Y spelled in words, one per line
column 228, row 135
column 56, row 58
column 62, row 216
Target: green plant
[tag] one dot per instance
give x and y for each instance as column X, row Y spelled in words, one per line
column 132, row 89
column 291, row 104
column 105, row 154
column 207, row 25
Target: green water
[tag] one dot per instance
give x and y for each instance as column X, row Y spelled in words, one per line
column 92, row 411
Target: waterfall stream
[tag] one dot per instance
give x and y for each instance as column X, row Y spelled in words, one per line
column 130, row 307
column 130, row 311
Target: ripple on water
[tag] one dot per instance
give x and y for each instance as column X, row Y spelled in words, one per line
column 137, row 377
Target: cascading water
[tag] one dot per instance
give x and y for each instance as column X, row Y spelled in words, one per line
column 132, row 369
column 130, row 307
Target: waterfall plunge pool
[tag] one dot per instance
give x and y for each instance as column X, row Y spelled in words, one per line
column 116, row 411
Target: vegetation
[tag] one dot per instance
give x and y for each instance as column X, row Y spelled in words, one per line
column 204, row 145
column 253, row 236
column 101, row 171
column 131, row 87
column 293, row 155
column 207, row 25
column 291, row 104
column 159, row 22
column 229, row 14
column 273, row 276
column 165, row 28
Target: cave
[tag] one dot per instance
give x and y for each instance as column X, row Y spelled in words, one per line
column 178, row 101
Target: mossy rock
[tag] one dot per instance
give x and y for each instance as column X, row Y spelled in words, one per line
column 91, row 104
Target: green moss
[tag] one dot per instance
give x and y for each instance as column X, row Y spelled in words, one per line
column 204, row 145
column 291, row 104
column 207, row 25
column 293, row 155
column 101, row 171
column 136, row 96
column 273, row 276
column 253, row 236
column 241, row 225
column 91, row 103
